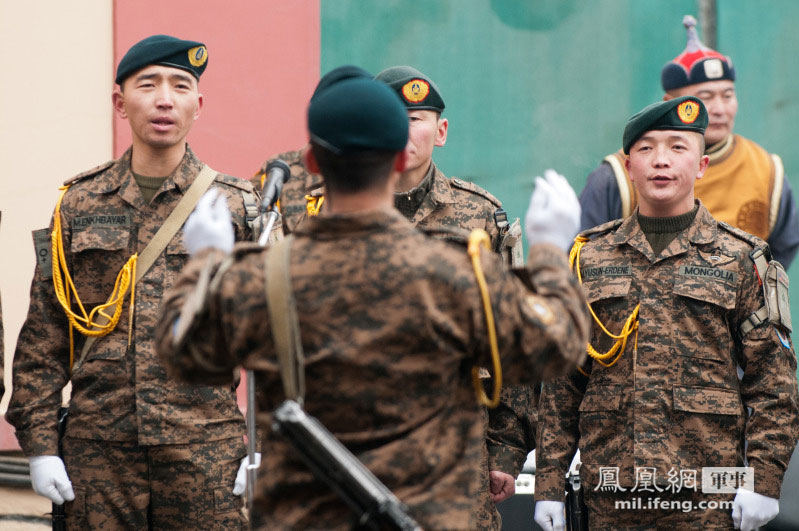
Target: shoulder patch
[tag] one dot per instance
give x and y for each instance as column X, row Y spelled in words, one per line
column 471, row 187
column 90, row 173
column 241, row 184
column 602, row 229
column 751, row 239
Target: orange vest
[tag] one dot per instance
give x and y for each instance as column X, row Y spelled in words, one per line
column 742, row 185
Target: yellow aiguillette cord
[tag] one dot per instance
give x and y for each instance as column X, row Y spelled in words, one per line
column 630, row 326
column 65, row 288
column 476, row 239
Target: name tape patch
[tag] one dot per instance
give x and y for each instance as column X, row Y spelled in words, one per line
column 606, row 271
column 110, row 220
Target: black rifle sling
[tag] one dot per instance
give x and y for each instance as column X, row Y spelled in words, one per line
column 283, row 319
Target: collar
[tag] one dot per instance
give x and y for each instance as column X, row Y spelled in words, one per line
column 441, row 192
column 720, row 150
column 339, row 226
column 702, row 230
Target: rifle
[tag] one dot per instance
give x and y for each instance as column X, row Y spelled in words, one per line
column 331, row 462
column 576, row 511
column 59, row 512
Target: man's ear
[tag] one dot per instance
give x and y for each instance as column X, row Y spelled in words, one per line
column 310, row 161
column 118, row 100
column 627, row 166
column 441, row 132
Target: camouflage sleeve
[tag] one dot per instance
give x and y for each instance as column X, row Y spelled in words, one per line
column 187, row 338
column 541, row 318
column 512, row 428
column 41, row 359
column 558, row 416
column 768, row 388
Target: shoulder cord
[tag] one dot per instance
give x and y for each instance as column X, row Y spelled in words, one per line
column 313, row 204
column 479, row 238
column 64, row 288
column 630, row 326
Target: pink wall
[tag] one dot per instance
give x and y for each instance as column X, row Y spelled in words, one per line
column 263, row 63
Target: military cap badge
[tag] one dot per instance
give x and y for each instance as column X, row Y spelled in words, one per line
column 688, row 111
column 416, row 90
column 198, row 55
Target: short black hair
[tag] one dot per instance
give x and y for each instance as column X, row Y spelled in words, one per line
column 353, row 171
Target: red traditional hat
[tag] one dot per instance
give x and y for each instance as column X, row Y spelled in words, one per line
column 696, row 64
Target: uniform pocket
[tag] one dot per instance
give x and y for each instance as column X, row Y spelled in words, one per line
column 98, row 254
column 707, row 400
column 602, row 424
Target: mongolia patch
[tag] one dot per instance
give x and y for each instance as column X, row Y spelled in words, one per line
column 714, row 273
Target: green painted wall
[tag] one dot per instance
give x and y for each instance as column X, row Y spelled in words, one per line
column 533, row 84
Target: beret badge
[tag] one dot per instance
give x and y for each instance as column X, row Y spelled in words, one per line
column 416, row 90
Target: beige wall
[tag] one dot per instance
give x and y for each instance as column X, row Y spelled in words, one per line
column 55, row 121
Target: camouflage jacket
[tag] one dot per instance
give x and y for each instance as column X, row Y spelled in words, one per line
column 452, row 205
column 119, row 393
column 391, row 324
column 675, row 401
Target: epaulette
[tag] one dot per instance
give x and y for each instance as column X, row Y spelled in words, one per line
column 289, row 157
column 751, row 239
column 241, row 184
column 449, row 234
column 243, row 248
column 601, row 229
column 471, row 187
column 91, row 173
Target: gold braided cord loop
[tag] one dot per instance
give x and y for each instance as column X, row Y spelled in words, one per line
column 313, row 204
column 479, row 238
column 65, row 289
column 630, row 326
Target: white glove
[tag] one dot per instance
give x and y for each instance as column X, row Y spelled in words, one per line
column 550, row 515
column 240, row 486
column 210, row 225
column 751, row 510
column 49, row 478
column 554, row 212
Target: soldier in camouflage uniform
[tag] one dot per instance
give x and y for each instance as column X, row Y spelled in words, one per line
column 705, row 362
column 141, row 450
column 391, row 325
column 432, row 201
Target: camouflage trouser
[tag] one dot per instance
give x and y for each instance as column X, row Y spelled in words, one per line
column 126, row 486
column 644, row 511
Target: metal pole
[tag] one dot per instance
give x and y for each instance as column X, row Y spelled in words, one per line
column 708, row 13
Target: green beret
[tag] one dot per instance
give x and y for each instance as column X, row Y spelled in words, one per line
column 358, row 114
column 686, row 113
column 164, row 50
column 416, row 90
column 339, row 74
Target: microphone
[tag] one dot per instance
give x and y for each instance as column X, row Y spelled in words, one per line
column 277, row 173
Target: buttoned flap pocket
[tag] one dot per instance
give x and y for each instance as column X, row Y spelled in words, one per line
column 602, row 288
column 601, row 398
column 100, row 239
column 711, row 400
column 714, row 285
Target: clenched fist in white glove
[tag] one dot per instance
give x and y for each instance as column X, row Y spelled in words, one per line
column 49, row 478
column 210, row 225
column 751, row 510
column 554, row 212
column 240, row 486
column 550, row 515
